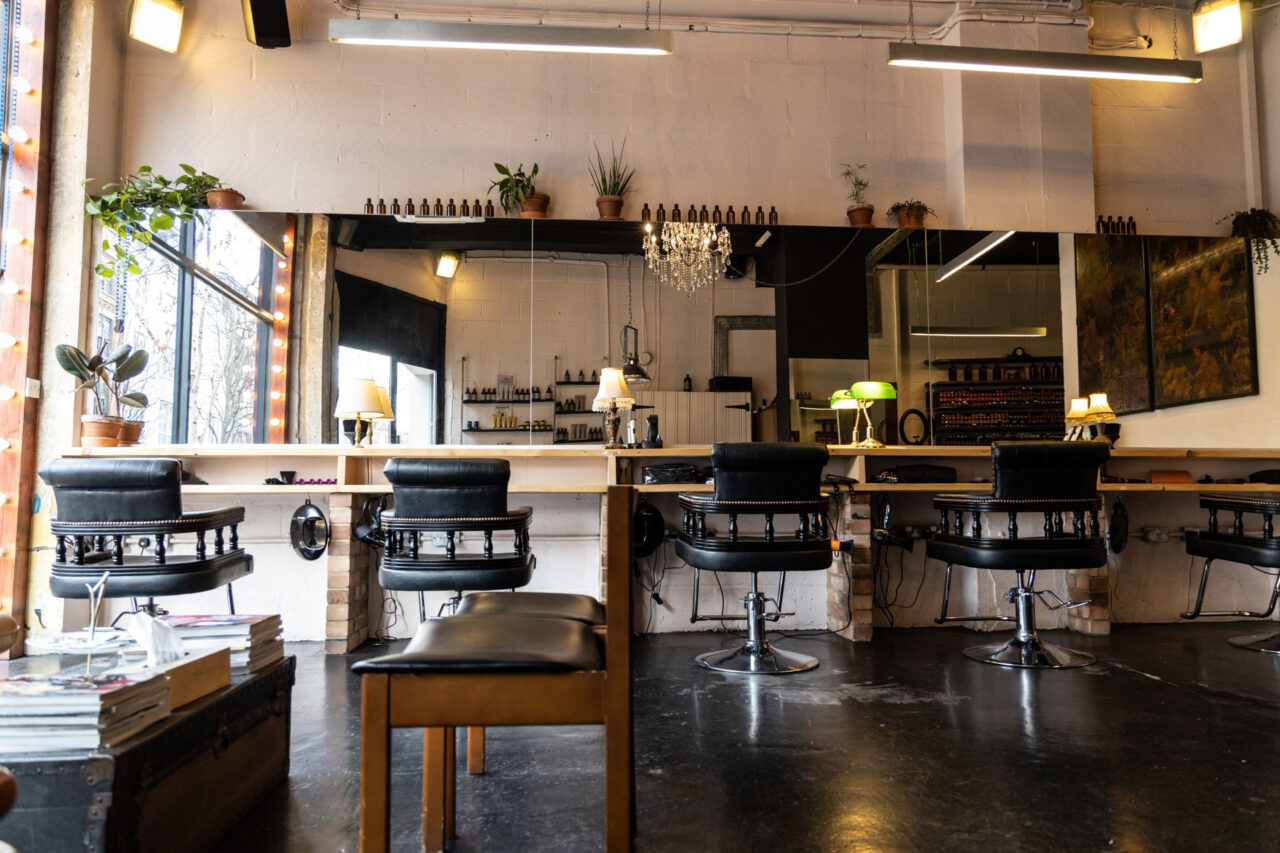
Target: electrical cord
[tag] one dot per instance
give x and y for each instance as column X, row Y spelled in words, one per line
column 844, row 563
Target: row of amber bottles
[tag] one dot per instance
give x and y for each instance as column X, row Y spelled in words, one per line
column 427, row 209
column 729, row 217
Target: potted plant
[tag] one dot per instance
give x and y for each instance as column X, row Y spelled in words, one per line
column 99, row 429
column 141, row 205
column 516, row 191
column 117, row 378
column 1260, row 226
column 859, row 212
column 612, row 181
column 224, row 198
column 910, row 213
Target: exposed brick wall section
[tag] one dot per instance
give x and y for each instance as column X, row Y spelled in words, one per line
column 1092, row 585
column 854, row 587
column 349, row 565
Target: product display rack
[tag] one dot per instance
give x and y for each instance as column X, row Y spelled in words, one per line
column 997, row 399
column 509, row 429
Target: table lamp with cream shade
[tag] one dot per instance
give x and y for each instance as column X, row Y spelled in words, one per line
column 1076, row 418
column 864, row 395
column 1099, row 410
column 358, row 401
column 612, row 395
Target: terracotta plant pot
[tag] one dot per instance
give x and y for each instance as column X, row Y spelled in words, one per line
column 224, row 199
column 130, row 432
column 535, row 206
column 100, row 431
column 910, row 218
column 610, row 207
column 860, row 215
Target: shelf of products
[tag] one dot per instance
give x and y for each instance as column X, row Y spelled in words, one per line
column 504, row 402
column 511, row 429
column 1014, row 398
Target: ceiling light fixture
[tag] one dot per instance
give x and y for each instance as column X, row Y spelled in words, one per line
column 1041, row 62
column 971, row 254
column 979, row 331
column 1215, row 24
column 687, row 255
column 447, row 265
column 157, row 23
column 500, row 37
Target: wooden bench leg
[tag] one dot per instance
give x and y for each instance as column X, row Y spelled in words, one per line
column 375, row 764
column 475, row 749
column 619, row 785
column 434, row 785
column 450, row 783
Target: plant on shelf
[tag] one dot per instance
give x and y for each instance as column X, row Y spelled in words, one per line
column 860, row 212
column 611, row 180
column 117, row 378
column 1262, row 228
column 911, row 213
column 516, row 191
column 142, row 205
column 100, row 429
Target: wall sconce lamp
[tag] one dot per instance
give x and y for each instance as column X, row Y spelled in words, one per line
column 157, row 23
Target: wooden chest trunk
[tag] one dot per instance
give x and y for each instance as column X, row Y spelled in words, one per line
column 179, row 786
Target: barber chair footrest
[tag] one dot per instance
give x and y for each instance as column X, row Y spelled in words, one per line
column 1029, row 654
column 1269, row 642
column 766, row 660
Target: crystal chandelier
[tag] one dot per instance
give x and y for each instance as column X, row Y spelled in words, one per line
column 687, row 255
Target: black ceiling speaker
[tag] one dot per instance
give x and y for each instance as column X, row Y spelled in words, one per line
column 266, row 23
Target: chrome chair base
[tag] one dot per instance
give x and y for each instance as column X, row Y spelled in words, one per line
column 1269, row 643
column 761, row 660
column 1029, row 654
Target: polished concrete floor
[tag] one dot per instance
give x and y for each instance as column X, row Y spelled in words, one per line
column 1171, row 742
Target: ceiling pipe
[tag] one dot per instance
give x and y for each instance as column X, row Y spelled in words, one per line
column 1068, row 14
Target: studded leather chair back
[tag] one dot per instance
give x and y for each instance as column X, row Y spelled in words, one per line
column 768, row 471
column 449, row 488
column 1047, row 470
column 115, row 489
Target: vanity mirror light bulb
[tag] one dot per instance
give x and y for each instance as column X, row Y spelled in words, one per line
column 281, row 265
column 278, row 342
column 275, row 422
column 23, row 35
column 21, row 84
column 279, row 315
column 14, row 236
column 9, row 288
column 280, row 288
column 18, row 135
column 5, row 444
column 7, row 340
column 7, row 392
column 276, row 368
column 276, row 395
column 17, row 187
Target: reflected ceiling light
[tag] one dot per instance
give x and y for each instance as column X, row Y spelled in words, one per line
column 157, row 23
column 979, row 331
column 395, row 33
column 971, row 254
column 447, row 265
column 438, row 220
column 1215, row 24
column 1042, row 62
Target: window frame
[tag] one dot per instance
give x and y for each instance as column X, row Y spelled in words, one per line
column 190, row 275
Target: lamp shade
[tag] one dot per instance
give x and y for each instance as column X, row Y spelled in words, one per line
column 384, row 402
column 613, row 392
column 842, row 399
column 358, row 398
column 1099, row 409
column 1079, row 410
column 873, row 391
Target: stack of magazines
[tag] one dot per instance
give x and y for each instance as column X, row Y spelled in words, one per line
column 70, row 704
column 254, row 641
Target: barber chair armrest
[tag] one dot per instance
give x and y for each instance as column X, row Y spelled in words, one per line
column 986, row 503
column 188, row 522
column 708, row 504
column 516, row 519
column 1260, row 503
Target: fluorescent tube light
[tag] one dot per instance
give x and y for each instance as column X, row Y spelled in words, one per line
column 157, row 23
column 1042, row 62
column 979, row 332
column 1215, row 24
column 500, row 37
column 971, row 254
column 439, row 220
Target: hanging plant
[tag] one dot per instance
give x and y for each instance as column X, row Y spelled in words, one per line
column 141, row 205
column 1261, row 228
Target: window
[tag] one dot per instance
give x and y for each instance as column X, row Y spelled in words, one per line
column 201, row 308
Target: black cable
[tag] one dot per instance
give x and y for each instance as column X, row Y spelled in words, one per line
column 848, row 576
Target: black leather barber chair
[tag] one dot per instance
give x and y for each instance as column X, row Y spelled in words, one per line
column 104, row 503
column 1237, row 547
column 758, row 480
column 437, row 503
column 1054, row 478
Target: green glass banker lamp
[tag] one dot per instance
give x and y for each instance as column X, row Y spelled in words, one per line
column 861, row 396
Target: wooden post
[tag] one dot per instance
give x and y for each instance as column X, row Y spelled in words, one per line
column 375, row 764
column 475, row 749
column 434, row 789
column 620, row 803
